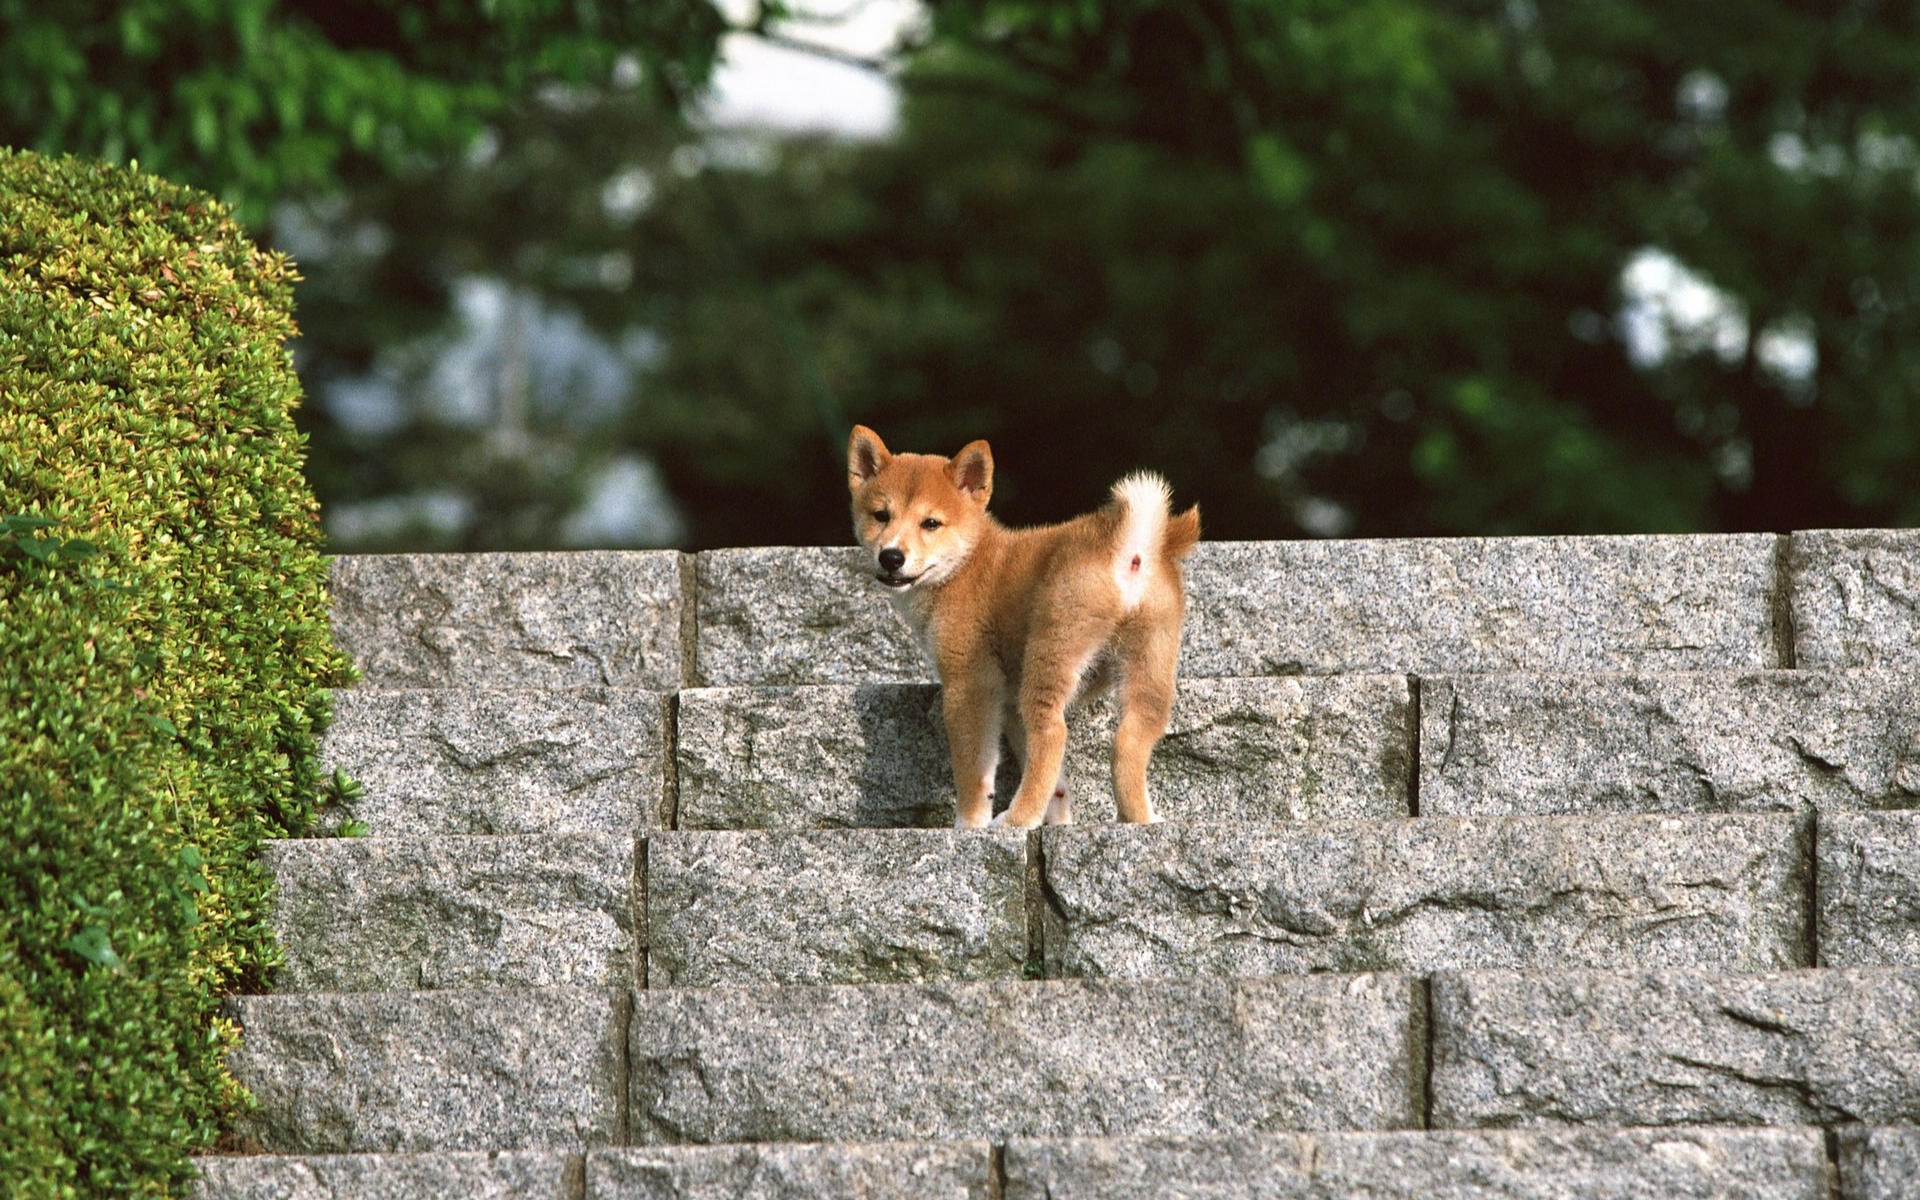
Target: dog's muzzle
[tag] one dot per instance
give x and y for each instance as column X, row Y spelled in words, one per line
column 891, row 561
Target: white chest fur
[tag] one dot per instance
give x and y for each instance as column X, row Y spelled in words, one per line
column 916, row 609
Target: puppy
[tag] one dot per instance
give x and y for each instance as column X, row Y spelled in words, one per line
column 1020, row 623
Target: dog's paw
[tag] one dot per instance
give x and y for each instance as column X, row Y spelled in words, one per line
column 963, row 823
column 1001, row 822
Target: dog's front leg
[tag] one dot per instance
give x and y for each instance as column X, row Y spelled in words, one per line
column 971, row 707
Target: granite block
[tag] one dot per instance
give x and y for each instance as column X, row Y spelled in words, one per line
column 538, row 1068
column 876, row 755
column 1669, row 742
column 1855, row 597
column 835, row 906
column 397, row 914
column 996, row 1060
column 589, row 760
column 1665, row 1048
column 609, row 618
column 1869, row 885
column 1726, row 892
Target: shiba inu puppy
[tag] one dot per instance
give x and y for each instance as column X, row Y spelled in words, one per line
column 1020, row 623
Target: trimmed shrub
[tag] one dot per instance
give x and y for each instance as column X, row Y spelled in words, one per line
column 164, row 655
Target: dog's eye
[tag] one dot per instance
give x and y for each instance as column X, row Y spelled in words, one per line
column 930, row 524
column 882, row 515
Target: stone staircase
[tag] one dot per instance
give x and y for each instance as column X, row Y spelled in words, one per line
column 1546, row 867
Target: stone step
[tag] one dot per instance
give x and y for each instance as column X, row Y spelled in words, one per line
column 1878, row 1164
column 447, row 1175
column 836, row 906
column 519, row 760
column 1676, row 1047
column 1855, row 597
column 728, row 909
column 1587, row 1164
column 1868, row 872
column 795, row 615
column 790, row 1171
column 1669, row 741
column 543, row 1068
column 1236, row 749
column 395, row 914
column 1042, row 1059
column 575, row 619
column 1690, row 1163
column 610, row 760
column 1427, row 894
column 538, row 1068
column 786, row 615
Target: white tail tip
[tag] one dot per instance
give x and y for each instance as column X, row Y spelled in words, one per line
column 1144, row 495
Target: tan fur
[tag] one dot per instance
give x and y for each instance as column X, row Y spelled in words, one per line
column 1020, row 623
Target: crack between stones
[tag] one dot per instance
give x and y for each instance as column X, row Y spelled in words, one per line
column 1413, row 745
column 623, row 1070
column 1809, row 839
column 670, row 760
column 1782, row 602
column 1453, row 730
column 689, row 623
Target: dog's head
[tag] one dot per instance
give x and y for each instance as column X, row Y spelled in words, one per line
column 918, row 514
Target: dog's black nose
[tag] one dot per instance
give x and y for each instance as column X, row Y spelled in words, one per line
column 892, row 560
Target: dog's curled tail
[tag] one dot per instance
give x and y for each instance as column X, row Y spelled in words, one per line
column 1149, row 537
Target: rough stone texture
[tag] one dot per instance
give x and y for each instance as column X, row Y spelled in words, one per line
column 835, row 906
column 1236, row 749
column 1597, row 1048
column 1599, row 1164
column 591, row 760
column 391, row 914
column 1869, row 882
column 877, row 1171
column 519, row 1175
column 406, row 1071
column 1727, row 892
column 812, row 757
column 1481, row 604
column 813, row 615
column 798, row 614
column 1065, row 1058
column 1692, row 741
column 590, row 617
column 1855, row 597
column 1879, row 1164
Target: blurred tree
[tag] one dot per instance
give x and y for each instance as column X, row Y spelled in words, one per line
column 1388, row 267
column 458, row 387
column 255, row 99
column 1373, row 267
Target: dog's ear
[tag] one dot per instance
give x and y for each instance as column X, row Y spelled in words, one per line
column 971, row 471
column 866, row 456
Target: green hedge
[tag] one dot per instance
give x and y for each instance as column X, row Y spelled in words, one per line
column 164, row 654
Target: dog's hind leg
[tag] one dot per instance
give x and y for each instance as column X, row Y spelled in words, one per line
column 1152, row 657
column 1047, row 685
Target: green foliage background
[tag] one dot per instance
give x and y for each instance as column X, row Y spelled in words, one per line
column 1307, row 257
column 1330, row 265
column 164, row 655
column 260, row 98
